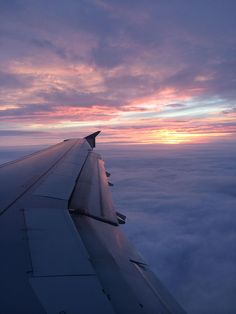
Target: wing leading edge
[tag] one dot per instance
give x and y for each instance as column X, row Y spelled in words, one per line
column 62, row 248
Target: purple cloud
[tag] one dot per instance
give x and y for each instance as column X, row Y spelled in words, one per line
column 119, row 56
column 180, row 206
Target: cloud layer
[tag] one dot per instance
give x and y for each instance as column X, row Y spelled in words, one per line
column 180, row 203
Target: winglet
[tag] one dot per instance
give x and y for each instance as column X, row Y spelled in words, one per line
column 91, row 139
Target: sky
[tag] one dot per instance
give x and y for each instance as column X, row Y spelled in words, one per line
column 155, row 72
column 150, row 71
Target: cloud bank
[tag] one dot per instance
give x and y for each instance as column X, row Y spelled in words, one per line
column 180, row 204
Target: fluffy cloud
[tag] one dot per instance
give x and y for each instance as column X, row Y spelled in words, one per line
column 180, row 202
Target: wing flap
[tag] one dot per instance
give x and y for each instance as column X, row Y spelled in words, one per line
column 91, row 195
column 126, row 279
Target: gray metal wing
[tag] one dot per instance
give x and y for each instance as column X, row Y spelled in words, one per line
column 62, row 250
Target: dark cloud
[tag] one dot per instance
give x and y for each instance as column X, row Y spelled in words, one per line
column 78, row 98
column 28, row 110
column 9, row 6
column 175, row 105
column 229, row 111
column 105, row 55
column 46, row 44
column 21, row 133
column 14, row 81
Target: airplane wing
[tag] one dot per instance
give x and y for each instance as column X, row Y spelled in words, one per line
column 62, row 250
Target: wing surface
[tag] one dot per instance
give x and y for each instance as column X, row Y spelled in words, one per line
column 62, row 250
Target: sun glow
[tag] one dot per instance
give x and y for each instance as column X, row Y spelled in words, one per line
column 166, row 136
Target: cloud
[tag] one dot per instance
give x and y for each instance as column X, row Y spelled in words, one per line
column 229, row 111
column 118, row 55
column 14, row 81
column 180, row 203
column 175, row 105
column 21, row 133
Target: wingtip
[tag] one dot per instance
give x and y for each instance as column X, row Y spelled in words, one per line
column 91, row 138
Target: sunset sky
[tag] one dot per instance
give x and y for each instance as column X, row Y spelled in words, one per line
column 144, row 72
column 141, row 71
